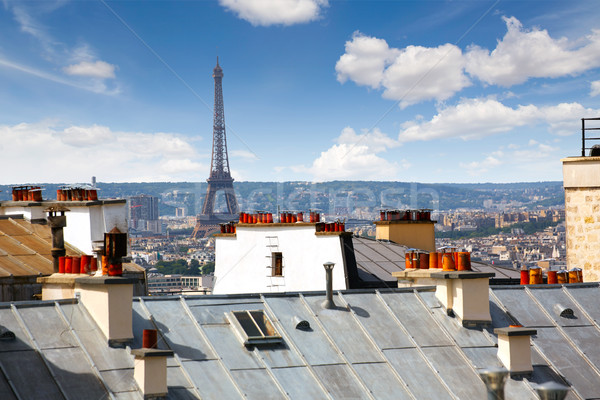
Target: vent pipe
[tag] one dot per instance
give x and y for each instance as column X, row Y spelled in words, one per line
column 494, row 379
column 328, row 303
column 552, row 391
column 57, row 223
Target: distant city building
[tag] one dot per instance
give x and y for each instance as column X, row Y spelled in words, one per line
column 143, row 214
column 179, row 284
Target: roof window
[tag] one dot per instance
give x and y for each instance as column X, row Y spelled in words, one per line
column 254, row 327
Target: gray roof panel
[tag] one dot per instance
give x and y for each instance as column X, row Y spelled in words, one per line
column 8, row 321
column 456, row 373
column 378, row 321
column 522, row 307
column 74, row 373
column 587, row 339
column 120, row 380
column 416, row 319
column 299, row 383
column 256, row 384
column 230, row 348
column 185, row 340
column 340, row 382
column 551, row 297
column 587, row 297
column 341, row 326
column 464, row 337
column 205, row 374
column 93, row 340
column 41, row 320
column 381, row 381
column 314, row 344
column 421, row 380
column 25, row 367
column 575, row 369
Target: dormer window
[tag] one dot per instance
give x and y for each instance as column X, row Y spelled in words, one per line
column 254, row 327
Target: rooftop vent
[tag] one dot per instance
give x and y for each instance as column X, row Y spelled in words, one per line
column 563, row 311
column 300, row 323
column 254, row 327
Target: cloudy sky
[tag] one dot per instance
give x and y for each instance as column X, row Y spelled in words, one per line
column 315, row 90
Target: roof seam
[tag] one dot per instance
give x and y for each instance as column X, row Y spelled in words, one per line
column 379, row 350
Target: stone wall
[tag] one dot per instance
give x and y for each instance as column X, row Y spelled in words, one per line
column 582, row 214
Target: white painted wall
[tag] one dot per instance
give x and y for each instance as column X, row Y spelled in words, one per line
column 84, row 223
column 241, row 262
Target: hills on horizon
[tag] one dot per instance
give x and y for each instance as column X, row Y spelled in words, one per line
column 337, row 197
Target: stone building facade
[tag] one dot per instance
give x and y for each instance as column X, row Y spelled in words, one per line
column 581, row 177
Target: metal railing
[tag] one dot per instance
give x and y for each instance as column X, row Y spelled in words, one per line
column 583, row 130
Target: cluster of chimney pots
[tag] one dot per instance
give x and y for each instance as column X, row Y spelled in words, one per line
column 111, row 256
column 27, row 193
column 405, row 215
column 534, row 276
column 445, row 258
column 76, row 194
column 285, row 217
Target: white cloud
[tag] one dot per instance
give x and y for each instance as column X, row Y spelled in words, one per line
column 476, row 168
column 595, row 88
column 98, row 69
column 276, row 12
column 410, row 75
column 534, row 153
column 355, row 157
column 46, row 152
column 421, row 73
column 524, row 54
column 365, row 60
column 415, row 73
column 477, row 118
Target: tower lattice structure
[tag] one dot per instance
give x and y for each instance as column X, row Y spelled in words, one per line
column 220, row 177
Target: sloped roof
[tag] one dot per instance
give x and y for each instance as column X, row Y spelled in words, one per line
column 25, row 248
column 382, row 344
column 376, row 260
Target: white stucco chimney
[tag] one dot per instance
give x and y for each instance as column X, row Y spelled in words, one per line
column 514, row 349
column 108, row 299
column 150, row 371
column 466, row 294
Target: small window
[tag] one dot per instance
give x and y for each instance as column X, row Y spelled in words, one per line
column 276, row 264
column 254, row 327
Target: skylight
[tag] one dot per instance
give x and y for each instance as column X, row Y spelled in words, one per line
column 254, row 327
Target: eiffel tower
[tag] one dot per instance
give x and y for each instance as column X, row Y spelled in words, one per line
column 220, row 177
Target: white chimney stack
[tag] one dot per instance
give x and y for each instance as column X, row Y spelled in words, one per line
column 108, row 299
column 514, row 349
column 466, row 294
column 150, row 371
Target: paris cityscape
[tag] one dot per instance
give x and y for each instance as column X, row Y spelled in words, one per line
column 299, row 199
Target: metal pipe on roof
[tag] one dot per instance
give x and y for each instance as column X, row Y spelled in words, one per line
column 328, row 303
column 494, row 379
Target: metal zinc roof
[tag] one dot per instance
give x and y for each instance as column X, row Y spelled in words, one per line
column 376, row 344
column 376, row 260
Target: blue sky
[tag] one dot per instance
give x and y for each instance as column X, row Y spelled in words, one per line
column 314, row 90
